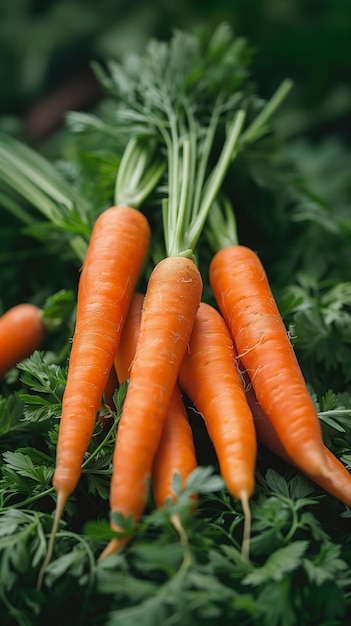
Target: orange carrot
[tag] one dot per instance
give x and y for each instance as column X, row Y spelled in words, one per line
column 116, row 252
column 210, row 377
column 110, row 388
column 127, row 346
column 170, row 304
column 337, row 482
column 176, row 451
column 21, row 332
column 108, row 404
column 244, row 297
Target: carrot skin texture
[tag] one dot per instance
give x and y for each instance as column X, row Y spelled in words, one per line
column 21, row 332
column 176, row 450
column 210, row 377
column 170, row 304
column 116, row 253
column 337, row 481
column 240, row 285
column 175, row 453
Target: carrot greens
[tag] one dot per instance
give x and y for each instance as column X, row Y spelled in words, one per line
column 190, row 95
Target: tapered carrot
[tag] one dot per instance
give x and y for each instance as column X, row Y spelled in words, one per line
column 117, row 250
column 337, row 481
column 116, row 253
column 176, row 450
column 209, row 376
column 170, row 304
column 175, row 453
column 243, row 294
column 22, row 331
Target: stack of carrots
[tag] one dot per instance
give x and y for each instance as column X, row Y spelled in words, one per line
column 234, row 361
column 236, row 364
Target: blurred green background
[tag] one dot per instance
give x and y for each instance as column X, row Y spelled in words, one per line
column 45, row 51
column 46, row 47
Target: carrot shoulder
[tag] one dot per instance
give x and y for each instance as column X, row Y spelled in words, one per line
column 210, row 377
column 170, row 304
column 21, row 332
column 243, row 294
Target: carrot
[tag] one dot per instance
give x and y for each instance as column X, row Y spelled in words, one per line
column 115, row 256
column 116, row 252
column 243, row 294
column 175, row 453
column 210, row 377
column 110, row 388
column 108, row 404
column 170, row 304
column 337, row 481
column 22, row 331
column 176, row 450
column 127, row 346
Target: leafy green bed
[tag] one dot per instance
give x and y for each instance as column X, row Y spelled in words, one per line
column 298, row 572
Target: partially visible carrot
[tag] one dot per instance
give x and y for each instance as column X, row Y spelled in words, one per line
column 175, row 453
column 170, row 304
column 243, row 294
column 110, row 388
column 22, row 331
column 209, row 376
column 108, row 403
column 176, row 450
column 129, row 338
column 336, row 482
column 117, row 250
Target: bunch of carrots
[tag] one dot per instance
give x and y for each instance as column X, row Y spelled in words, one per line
column 234, row 361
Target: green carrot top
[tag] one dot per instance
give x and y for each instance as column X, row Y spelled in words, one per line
column 193, row 95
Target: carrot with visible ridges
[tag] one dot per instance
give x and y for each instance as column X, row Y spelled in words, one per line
column 170, row 304
column 176, row 451
column 116, row 253
column 22, row 331
column 337, row 481
column 210, row 377
column 243, row 294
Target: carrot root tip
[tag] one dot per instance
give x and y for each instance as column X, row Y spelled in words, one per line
column 245, row 545
column 113, row 546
